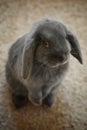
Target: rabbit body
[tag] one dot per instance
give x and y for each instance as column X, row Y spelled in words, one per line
column 35, row 69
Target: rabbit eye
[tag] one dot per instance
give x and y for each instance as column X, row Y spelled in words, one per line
column 46, row 44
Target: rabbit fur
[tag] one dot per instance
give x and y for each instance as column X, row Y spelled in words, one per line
column 38, row 61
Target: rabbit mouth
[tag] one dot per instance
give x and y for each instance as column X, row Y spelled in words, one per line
column 64, row 62
column 57, row 64
column 54, row 66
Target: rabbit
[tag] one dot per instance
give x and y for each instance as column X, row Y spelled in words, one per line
column 38, row 61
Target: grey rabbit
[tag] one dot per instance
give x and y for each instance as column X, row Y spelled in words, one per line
column 38, row 61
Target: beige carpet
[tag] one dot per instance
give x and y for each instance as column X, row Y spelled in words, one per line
column 70, row 110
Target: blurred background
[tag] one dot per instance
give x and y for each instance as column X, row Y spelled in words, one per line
column 70, row 109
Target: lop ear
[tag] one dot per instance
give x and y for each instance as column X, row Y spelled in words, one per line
column 27, row 59
column 75, row 47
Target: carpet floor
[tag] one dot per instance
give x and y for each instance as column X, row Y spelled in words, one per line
column 70, row 109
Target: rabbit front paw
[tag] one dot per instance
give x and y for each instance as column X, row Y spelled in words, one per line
column 19, row 100
column 49, row 100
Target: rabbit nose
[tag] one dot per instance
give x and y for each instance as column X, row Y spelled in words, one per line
column 59, row 57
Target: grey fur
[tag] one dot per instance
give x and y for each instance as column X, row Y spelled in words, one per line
column 38, row 61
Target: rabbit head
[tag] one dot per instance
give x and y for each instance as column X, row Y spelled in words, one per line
column 50, row 43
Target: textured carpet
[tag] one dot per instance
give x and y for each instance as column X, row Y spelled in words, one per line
column 70, row 109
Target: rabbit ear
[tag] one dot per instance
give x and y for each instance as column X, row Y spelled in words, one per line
column 75, row 47
column 27, row 59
